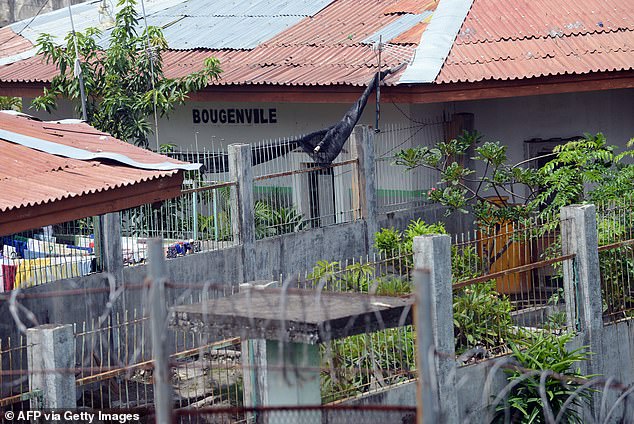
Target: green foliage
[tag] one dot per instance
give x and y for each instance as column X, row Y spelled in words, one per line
column 583, row 170
column 544, row 352
column 388, row 240
column 482, row 317
column 417, row 228
column 270, row 221
column 118, row 80
column 10, row 103
column 364, row 362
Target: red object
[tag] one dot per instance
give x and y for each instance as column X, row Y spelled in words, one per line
column 8, row 276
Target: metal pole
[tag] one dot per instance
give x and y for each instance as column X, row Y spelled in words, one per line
column 195, row 209
column 158, row 330
column 77, row 70
column 378, row 87
column 425, row 351
column 215, row 206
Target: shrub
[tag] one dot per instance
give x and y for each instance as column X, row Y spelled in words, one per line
column 482, row 317
column 544, row 352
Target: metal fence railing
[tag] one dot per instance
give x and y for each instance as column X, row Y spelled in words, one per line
column 364, row 363
column 334, row 414
column 293, row 193
column 615, row 229
column 396, row 187
column 56, row 252
column 508, row 275
column 115, row 366
column 199, row 220
column 14, row 384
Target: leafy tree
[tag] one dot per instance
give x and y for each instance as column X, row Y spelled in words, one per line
column 549, row 354
column 122, row 82
column 582, row 170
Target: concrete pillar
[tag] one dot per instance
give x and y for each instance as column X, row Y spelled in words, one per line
column 582, row 281
column 111, row 256
column 112, row 252
column 292, row 374
column 281, row 374
column 157, row 274
column 242, row 205
column 364, row 183
column 278, row 373
column 254, row 369
column 433, row 254
column 52, row 347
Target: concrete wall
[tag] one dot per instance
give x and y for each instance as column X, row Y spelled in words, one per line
column 286, row 255
column 47, row 306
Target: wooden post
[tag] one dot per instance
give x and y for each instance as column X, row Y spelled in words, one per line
column 158, row 330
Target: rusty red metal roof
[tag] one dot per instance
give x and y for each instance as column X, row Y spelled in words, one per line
column 502, row 40
column 498, row 40
column 31, row 177
column 410, row 6
column 12, row 43
column 324, row 49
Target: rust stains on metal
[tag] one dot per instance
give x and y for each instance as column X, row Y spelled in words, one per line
column 410, row 6
column 502, row 41
column 31, row 177
column 324, row 49
column 12, row 43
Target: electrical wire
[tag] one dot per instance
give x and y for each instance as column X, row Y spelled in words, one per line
column 27, row 25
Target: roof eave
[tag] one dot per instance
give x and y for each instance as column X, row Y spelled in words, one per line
column 406, row 93
column 98, row 203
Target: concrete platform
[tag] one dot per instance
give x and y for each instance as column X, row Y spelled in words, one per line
column 294, row 315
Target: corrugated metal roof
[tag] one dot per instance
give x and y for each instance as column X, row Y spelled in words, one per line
column 410, row 6
column 11, row 43
column 324, row 49
column 401, row 25
column 30, row 177
column 189, row 24
column 245, row 8
column 525, row 39
column 225, row 32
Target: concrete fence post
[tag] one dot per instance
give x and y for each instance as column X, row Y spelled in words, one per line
column 51, row 361
column 242, row 205
column 157, row 273
column 110, row 224
column 582, row 281
column 364, row 182
column 432, row 255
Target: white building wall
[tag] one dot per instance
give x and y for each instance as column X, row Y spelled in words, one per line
column 512, row 121
column 292, row 119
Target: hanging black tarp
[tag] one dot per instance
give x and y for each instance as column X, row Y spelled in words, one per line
column 325, row 145
column 322, row 146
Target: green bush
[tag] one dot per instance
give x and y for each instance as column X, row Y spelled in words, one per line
column 270, row 221
column 543, row 352
column 482, row 317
